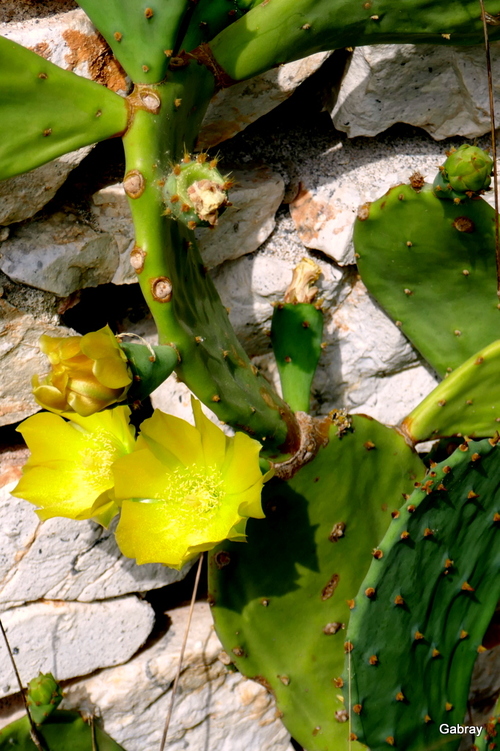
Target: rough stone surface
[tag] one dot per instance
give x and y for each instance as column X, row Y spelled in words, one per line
column 22, row 196
column 59, row 254
column 234, row 108
column 64, row 559
column 215, row 710
column 443, row 90
column 71, row 638
column 20, row 358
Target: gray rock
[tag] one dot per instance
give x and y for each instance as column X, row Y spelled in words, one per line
column 215, row 710
column 70, row 639
column 234, row 108
column 64, row 559
column 59, row 254
column 442, row 89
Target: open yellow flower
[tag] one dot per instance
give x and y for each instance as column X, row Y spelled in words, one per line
column 88, row 373
column 69, row 470
column 192, row 488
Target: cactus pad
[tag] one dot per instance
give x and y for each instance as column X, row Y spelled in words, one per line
column 63, row 730
column 281, row 603
column 431, row 265
column 465, row 403
column 141, row 34
column 46, row 111
column 424, row 606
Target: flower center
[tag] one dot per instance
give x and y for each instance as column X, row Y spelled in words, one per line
column 199, row 488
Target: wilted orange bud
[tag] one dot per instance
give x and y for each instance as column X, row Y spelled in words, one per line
column 88, row 373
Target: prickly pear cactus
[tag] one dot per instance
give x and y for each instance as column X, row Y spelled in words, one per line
column 64, row 730
column 281, row 602
column 431, row 265
column 43, row 697
column 465, row 403
column 423, row 608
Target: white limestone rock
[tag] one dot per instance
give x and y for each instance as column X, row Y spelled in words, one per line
column 232, row 109
column 64, row 559
column 71, row 639
column 442, row 89
column 20, row 359
column 59, row 254
column 214, row 710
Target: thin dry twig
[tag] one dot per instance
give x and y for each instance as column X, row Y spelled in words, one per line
column 35, row 735
column 484, row 17
column 181, row 657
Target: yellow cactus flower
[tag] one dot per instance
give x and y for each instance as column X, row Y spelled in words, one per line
column 69, row 470
column 192, row 487
column 88, row 373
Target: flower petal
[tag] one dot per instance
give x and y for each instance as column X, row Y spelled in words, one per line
column 214, row 442
column 241, row 468
column 177, row 436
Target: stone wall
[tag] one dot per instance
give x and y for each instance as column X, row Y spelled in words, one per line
column 357, row 123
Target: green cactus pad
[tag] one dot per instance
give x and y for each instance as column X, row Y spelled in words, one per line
column 296, row 335
column 431, row 265
column 424, row 606
column 43, row 697
column 46, row 111
column 280, row 602
column 466, row 171
column 64, row 730
column 150, row 366
column 276, row 32
column 467, row 402
column 141, row 33
column 195, row 192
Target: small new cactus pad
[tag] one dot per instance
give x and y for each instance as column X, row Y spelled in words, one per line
column 141, row 34
column 281, row 603
column 296, row 334
column 150, row 366
column 467, row 402
column 423, row 608
column 43, row 697
column 431, row 265
column 195, row 192
column 271, row 34
column 62, row 731
column 46, row 111
column 466, row 172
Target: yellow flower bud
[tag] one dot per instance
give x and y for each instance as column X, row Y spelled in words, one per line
column 191, row 488
column 88, row 373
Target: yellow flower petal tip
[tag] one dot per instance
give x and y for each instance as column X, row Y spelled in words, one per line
column 190, row 487
column 69, row 471
column 88, row 373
